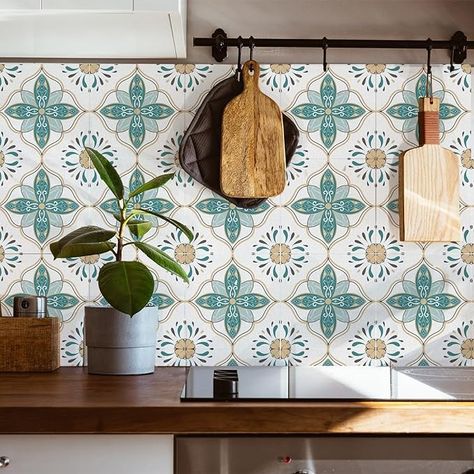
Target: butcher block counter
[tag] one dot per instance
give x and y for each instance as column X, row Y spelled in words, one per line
column 71, row 401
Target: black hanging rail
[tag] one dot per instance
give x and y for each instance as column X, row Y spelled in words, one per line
column 457, row 45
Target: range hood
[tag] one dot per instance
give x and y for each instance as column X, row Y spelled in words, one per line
column 101, row 29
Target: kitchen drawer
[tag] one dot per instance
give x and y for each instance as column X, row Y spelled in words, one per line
column 91, row 454
column 320, row 455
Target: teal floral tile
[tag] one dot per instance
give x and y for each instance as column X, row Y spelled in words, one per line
column 137, row 110
column 375, row 253
column 41, row 111
column 328, row 206
column 200, row 257
column 373, row 160
column 185, row 340
column 185, row 344
column 232, row 303
column 328, row 111
column 42, row 207
column 423, row 301
column 280, row 253
column 376, row 344
column 226, row 219
column 279, row 342
column 329, row 300
column 77, row 163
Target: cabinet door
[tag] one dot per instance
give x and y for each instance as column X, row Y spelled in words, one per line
column 91, row 454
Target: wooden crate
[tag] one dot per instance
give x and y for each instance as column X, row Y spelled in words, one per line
column 29, row 344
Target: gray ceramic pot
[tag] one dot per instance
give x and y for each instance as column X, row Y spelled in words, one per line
column 118, row 344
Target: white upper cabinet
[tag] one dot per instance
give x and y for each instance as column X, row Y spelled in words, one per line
column 93, row 29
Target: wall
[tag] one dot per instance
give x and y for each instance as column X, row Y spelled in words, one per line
column 362, row 19
column 314, row 276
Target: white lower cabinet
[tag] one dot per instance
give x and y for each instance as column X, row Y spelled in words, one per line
column 86, row 454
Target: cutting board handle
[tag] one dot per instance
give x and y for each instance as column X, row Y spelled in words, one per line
column 251, row 74
column 428, row 118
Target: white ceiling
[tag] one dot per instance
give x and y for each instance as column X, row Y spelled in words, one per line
column 342, row 19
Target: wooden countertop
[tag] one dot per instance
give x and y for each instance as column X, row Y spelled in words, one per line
column 71, row 401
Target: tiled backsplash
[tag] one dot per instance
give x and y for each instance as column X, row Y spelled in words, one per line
column 316, row 275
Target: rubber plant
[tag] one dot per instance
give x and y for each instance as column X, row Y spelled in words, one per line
column 126, row 285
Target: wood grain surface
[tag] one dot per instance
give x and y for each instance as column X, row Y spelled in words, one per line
column 253, row 147
column 71, row 401
column 29, row 344
column 429, row 184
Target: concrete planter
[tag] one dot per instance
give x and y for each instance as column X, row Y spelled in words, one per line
column 118, row 344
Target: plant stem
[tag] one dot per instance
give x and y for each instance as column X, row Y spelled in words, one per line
column 121, row 231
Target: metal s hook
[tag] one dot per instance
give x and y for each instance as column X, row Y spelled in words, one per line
column 251, row 46
column 429, row 74
column 240, row 44
column 325, row 49
column 451, row 58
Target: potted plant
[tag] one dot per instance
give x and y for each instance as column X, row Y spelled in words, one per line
column 121, row 339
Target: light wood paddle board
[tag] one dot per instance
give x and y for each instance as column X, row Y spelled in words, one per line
column 429, row 184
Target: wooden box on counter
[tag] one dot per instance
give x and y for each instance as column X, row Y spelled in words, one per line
column 29, row 344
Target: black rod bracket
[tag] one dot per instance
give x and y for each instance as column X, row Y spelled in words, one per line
column 459, row 47
column 219, row 48
column 220, row 42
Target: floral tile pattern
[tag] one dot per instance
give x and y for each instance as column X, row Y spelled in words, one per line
column 41, row 206
column 316, row 275
column 41, row 111
column 328, row 301
column 327, row 111
column 328, row 206
column 423, row 301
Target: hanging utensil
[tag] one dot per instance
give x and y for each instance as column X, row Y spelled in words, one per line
column 429, row 179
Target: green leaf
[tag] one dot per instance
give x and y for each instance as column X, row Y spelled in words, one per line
column 162, row 259
column 127, row 286
column 186, row 231
column 91, row 248
column 139, row 228
column 83, row 241
column 152, row 184
column 107, row 172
